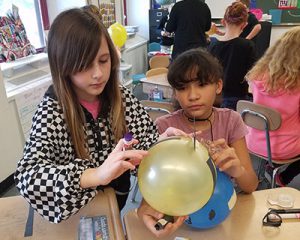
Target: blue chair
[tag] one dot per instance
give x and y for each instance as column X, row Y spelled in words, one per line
column 136, row 78
column 154, row 47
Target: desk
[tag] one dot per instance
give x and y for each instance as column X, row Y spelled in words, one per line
column 159, row 81
column 14, row 212
column 243, row 223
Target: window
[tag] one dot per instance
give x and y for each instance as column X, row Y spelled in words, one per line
column 30, row 14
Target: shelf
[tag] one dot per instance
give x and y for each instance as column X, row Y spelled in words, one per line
column 24, row 72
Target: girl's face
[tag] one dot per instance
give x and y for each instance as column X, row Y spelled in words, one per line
column 89, row 84
column 196, row 100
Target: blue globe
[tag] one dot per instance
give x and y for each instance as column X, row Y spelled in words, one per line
column 218, row 207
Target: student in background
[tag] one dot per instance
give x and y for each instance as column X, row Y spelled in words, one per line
column 167, row 39
column 236, row 55
column 189, row 20
column 195, row 76
column 253, row 27
column 275, row 82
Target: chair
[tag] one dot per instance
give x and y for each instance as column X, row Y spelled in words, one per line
column 265, row 119
column 156, row 71
column 159, row 61
column 155, row 110
column 154, row 47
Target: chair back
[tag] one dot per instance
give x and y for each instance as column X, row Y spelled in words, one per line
column 154, row 47
column 259, row 116
column 156, row 71
column 266, row 119
column 157, row 109
column 159, row 61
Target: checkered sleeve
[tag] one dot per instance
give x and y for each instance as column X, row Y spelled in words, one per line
column 48, row 175
column 138, row 121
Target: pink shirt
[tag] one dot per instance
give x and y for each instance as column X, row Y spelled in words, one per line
column 92, row 107
column 227, row 124
column 285, row 141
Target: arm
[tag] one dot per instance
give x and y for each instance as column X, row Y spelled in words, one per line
column 255, row 30
column 48, row 175
column 235, row 161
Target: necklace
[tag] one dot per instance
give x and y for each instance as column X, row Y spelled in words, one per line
column 193, row 120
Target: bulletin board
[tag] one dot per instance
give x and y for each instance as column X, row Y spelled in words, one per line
column 290, row 14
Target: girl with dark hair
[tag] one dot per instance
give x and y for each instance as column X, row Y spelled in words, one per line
column 196, row 77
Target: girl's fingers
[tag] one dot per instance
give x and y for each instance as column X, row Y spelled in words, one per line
column 120, row 145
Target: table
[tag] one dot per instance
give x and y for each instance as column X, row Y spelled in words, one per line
column 160, row 81
column 14, row 212
column 244, row 222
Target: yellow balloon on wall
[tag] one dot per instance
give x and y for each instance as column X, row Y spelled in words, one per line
column 176, row 179
column 118, row 34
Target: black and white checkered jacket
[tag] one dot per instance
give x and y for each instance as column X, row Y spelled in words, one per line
column 48, row 175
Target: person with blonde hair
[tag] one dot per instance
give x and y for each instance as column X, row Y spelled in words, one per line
column 275, row 82
column 236, row 54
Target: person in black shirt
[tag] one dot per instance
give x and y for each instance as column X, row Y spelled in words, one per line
column 253, row 27
column 236, row 55
column 189, row 20
column 167, row 39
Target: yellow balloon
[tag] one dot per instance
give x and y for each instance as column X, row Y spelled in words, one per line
column 118, row 34
column 176, row 179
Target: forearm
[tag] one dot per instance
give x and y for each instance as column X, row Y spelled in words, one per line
column 248, row 181
column 92, row 178
column 254, row 32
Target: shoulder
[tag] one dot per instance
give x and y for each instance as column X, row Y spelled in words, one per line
column 226, row 115
column 168, row 120
column 245, row 44
column 128, row 98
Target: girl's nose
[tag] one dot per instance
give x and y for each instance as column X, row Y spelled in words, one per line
column 96, row 72
column 194, row 93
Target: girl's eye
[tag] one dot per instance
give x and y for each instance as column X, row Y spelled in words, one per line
column 103, row 60
column 180, row 88
column 202, row 84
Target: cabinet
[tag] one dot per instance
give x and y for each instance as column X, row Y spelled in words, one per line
column 155, row 15
column 135, row 54
column 22, row 85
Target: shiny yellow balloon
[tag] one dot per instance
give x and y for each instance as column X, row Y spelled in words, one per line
column 118, row 34
column 174, row 178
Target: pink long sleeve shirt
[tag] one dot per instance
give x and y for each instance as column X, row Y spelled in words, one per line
column 285, row 141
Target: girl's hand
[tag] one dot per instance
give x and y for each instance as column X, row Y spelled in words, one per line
column 116, row 164
column 171, row 131
column 119, row 161
column 225, row 158
column 150, row 217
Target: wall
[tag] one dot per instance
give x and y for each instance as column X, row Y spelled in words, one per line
column 217, row 7
column 138, row 14
column 57, row 6
column 12, row 140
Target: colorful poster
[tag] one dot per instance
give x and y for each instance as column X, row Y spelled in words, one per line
column 288, row 4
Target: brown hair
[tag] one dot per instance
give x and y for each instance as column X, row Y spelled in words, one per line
column 73, row 42
column 246, row 2
column 236, row 14
column 207, row 68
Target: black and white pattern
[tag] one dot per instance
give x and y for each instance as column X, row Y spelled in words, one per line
column 48, row 175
